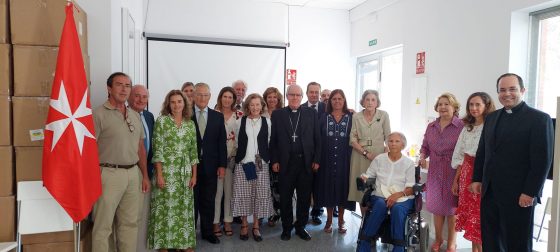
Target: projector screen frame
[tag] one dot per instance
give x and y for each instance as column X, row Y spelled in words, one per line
column 212, row 41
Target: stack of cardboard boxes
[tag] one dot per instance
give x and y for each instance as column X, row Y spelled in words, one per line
column 30, row 31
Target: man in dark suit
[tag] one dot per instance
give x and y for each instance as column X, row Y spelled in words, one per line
column 512, row 161
column 313, row 93
column 295, row 149
column 212, row 154
column 137, row 101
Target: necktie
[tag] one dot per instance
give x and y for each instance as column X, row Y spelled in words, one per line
column 146, row 133
column 201, row 123
column 314, row 106
column 238, row 106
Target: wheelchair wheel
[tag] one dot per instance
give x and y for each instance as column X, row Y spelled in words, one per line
column 424, row 238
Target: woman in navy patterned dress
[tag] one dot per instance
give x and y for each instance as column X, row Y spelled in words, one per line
column 331, row 180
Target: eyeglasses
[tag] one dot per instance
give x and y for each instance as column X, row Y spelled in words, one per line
column 294, row 95
column 130, row 126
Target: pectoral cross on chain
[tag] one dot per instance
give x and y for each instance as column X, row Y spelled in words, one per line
column 294, row 136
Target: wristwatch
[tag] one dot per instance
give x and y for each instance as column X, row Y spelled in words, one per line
column 365, row 152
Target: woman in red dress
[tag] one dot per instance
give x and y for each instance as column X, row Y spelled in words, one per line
column 479, row 105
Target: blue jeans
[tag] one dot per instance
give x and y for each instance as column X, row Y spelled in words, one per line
column 378, row 213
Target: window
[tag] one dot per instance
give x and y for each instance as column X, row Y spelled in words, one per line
column 544, row 60
column 382, row 72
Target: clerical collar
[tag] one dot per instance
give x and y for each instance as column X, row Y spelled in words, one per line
column 293, row 110
column 514, row 109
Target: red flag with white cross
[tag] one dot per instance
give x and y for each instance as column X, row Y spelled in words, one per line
column 70, row 162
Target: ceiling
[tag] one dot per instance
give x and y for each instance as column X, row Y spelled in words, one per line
column 327, row 4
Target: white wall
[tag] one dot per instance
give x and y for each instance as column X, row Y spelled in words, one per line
column 319, row 38
column 105, row 41
column 467, row 45
column 320, row 49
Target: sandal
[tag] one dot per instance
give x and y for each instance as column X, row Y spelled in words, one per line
column 436, row 246
column 341, row 228
column 328, row 227
column 257, row 236
column 228, row 232
column 217, row 230
column 245, row 236
column 453, row 249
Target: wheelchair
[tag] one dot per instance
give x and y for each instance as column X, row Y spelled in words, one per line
column 417, row 233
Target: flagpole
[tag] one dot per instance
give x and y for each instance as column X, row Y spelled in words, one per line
column 77, row 236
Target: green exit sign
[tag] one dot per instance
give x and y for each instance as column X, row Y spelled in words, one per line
column 373, row 42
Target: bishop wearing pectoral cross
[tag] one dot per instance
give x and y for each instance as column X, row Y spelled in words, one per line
column 295, row 155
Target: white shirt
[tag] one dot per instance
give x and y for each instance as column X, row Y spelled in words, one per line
column 466, row 144
column 397, row 175
column 197, row 112
column 252, row 128
column 309, row 104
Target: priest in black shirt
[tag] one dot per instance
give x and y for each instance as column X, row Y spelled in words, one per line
column 295, row 154
column 512, row 161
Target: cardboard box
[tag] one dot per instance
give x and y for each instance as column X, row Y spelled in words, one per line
column 29, row 163
column 8, row 226
column 34, row 68
column 6, row 171
column 5, row 69
column 85, row 246
column 29, row 117
column 4, row 22
column 40, row 22
column 57, row 237
column 5, row 120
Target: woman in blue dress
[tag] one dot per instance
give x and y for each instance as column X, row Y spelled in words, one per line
column 331, row 180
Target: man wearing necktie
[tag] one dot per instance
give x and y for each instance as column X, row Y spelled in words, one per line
column 313, row 92
column 137, row 101
column 212, row 155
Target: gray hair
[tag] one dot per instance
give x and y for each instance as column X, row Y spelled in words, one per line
column 370, row 91
column 403, row 138
column 290, row 87
column 239, row 82
column 201, row 84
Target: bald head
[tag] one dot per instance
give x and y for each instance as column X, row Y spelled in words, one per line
column 138, row 99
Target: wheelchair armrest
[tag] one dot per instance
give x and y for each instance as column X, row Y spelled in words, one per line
column 363, row 186
column 418, row 188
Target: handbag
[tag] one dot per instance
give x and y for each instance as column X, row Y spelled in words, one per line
column 250, row 170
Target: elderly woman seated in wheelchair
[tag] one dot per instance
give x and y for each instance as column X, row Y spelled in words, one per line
column 394, row 178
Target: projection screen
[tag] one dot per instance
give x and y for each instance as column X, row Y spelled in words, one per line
column 171, row 62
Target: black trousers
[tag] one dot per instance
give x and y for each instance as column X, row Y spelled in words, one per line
column 295, row 176
column 205, row 193
column 505, row 225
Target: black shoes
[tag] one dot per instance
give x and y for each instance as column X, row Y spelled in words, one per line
column 316, row 220
column 286, row 235
column 303, row 234
column 335, row 212
column 211, row 239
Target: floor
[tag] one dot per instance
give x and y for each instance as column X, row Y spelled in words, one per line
column 320, row 240
column 324, row 242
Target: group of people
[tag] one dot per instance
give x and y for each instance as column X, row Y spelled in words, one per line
column 486, row 172
column 250, row 157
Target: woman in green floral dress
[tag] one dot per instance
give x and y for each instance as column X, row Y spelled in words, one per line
column 172, row 222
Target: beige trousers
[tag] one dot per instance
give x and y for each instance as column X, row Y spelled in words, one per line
column 119, row 202
column 225, row 188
